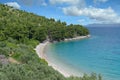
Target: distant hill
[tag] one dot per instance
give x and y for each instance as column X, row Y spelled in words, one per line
column 103, row 25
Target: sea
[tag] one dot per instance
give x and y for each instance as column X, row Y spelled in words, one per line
column 98, row 54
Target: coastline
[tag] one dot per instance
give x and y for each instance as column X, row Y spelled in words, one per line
column 60, row 68
column 77, row 38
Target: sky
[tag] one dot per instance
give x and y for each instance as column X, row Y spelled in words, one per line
column 72, row 11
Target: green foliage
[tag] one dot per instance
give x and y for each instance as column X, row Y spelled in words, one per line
column 31, row 42
column 36, row 71
column 20, row 32
column 40, row 34
column 93, row 76
column 22, row 26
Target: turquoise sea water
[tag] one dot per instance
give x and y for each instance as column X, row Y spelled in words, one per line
column 99, row 54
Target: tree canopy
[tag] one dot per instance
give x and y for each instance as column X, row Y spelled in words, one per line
column 21, row 25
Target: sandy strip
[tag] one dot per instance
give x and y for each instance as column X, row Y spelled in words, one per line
column 60, row 68
column 40, row 51
column 77, row 38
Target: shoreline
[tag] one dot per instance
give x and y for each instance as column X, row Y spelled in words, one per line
column 77, row 38
column 60, row 68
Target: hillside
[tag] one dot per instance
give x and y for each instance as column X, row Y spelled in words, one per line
column 21, row 26
column 20, row 32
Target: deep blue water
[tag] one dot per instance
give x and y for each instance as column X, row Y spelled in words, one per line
column 100, row 53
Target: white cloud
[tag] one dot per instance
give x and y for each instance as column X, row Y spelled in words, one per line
column 13, row 4
column 97, row 15
column 33, row 2
column 44, row 4
column 102, row 0
column 107, row 15
column 99, row 1
column 39, row 2
column 64, row 1
column 80, row 3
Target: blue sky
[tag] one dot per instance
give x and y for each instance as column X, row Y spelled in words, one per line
column 72, row 11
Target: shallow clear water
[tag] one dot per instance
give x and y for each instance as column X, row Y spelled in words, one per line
column 99, row 54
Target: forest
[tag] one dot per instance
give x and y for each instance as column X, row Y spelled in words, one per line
column 20, row 32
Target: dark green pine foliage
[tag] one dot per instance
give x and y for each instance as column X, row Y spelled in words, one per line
column 20, row 32
column 21, row 25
